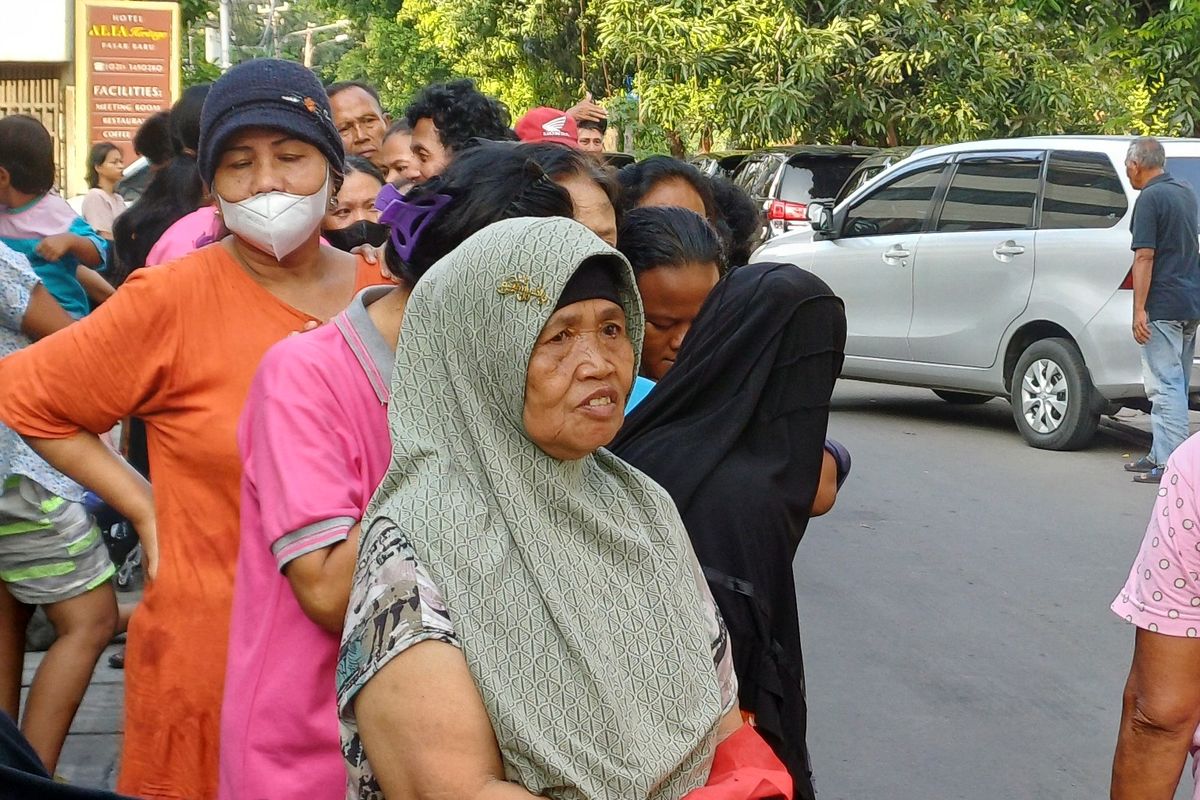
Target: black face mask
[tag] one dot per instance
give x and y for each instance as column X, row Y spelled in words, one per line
column 356, row 235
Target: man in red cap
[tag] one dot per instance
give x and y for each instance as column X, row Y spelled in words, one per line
column 548, row 125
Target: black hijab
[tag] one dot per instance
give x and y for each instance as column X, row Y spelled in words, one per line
column 735, row 432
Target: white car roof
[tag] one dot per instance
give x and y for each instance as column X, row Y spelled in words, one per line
column 1115, row 146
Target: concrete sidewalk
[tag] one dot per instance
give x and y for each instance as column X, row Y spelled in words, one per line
column 1135, row 426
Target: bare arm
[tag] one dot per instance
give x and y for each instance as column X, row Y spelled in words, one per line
column 43, row 315
column 53, row 248
column 86, row 251
column 87, row 460
column 827, row 488
column 1159, row 714
column 1143, row 268
column 321, row 581
column 98, row 290
column 426, row 731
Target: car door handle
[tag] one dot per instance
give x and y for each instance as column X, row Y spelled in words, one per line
column 896, row 253
column 1009, row 248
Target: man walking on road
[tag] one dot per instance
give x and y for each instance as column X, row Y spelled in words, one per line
column 1166, row 298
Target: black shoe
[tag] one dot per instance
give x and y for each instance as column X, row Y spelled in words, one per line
column 1154, row 476
column 1143, row 464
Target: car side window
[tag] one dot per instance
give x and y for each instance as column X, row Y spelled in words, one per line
column 1082, row 191
column 989, row 194
column 901, row 206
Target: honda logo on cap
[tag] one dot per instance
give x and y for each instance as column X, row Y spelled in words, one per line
column 555, row 127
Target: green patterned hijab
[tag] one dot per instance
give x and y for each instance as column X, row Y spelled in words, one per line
column 571, row 584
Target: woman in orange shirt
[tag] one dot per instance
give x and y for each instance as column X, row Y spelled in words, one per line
column 177, row 346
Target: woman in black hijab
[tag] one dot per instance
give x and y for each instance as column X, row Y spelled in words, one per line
column 736, row 432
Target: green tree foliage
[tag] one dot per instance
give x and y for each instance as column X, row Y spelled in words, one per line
column 1167, row 52
column 260, row 28
column 526, row 52
column 727, row 73
column 905, row 71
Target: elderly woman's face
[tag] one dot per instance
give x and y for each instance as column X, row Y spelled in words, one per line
column 578, row 380
column 258, row 160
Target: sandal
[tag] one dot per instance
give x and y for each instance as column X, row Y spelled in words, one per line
column 1143, row 464
column 1153, row 477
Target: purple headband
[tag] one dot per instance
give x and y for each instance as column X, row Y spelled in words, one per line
column 407, row 218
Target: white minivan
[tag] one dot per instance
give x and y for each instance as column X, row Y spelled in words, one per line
column 996, row 268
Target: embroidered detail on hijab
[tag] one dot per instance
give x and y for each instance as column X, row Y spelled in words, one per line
column 521, row 288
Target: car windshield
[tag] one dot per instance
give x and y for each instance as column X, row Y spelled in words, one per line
column 815, row 177
column 1186, row 170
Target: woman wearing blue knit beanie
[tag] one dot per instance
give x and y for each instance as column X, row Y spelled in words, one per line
column 177, row 346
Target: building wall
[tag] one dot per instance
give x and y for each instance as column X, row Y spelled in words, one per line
column 39, row 90
column 36, row 31
column 35, row 70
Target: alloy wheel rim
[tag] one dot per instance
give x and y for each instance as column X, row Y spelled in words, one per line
column 1044, row 396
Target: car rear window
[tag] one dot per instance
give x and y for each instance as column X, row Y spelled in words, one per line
column 1186, row 169
column 808, row 178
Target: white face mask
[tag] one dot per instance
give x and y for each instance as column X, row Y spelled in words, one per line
column 276, row 222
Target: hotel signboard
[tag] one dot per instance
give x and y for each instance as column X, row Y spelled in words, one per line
column 127, row 69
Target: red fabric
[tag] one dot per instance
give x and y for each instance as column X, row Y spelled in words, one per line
column 745, row 768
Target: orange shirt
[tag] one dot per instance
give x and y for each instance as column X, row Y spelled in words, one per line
column 177, row 346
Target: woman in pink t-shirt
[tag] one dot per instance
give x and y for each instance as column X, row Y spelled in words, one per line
column 314, row 444
column 1161, row 704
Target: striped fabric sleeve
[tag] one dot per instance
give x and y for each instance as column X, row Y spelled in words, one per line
column 289, row 547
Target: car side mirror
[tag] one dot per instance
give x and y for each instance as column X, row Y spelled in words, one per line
column 821, row 218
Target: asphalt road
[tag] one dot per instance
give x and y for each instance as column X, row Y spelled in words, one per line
column 954, row 606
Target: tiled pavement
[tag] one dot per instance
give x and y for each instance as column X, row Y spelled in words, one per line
column 90, row 754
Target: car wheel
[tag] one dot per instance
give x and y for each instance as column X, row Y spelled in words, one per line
column 1053, row 400
column 962, row 398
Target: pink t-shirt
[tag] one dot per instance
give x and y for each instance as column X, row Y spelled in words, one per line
column 188, row 233
column 1162, row 593
column 314, row 443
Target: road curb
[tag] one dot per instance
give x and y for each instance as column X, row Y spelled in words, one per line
column 1126, row 432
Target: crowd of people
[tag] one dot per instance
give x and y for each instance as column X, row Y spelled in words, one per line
column 463, row 464
column 404, row 533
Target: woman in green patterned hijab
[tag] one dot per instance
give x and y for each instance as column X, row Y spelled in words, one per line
column 527, row 617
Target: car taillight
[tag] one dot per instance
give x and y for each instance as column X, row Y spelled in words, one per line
column 788, row 212
column 1128, row 282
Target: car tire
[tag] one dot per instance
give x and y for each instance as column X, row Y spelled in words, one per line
column 1054, row 403
column 962, row 398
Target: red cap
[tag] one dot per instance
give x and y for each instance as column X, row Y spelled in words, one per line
column 548, row 125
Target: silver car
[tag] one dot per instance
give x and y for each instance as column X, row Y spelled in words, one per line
column 998, row 268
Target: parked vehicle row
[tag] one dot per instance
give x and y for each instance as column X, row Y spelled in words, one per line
column 997, row 268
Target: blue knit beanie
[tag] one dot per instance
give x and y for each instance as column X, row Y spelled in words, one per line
column 267, row 93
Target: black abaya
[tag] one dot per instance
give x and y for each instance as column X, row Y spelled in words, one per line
column 735, row 432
